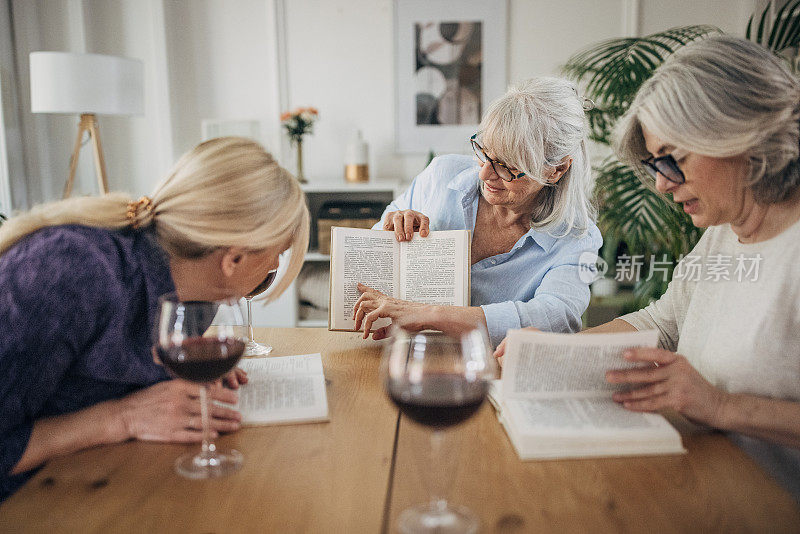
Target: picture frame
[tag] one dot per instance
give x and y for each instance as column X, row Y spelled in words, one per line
column 450, row 63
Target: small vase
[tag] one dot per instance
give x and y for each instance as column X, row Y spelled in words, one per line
column 300, row 176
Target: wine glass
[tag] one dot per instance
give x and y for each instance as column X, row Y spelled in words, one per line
column 253, row 348
column 438, row 379
column 201, row 341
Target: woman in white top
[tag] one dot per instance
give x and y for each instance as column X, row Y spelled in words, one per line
column 716, row 127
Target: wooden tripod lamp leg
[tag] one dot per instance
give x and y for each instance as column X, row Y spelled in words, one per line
column 99, row 162
column 73, row 162
column 88, row 124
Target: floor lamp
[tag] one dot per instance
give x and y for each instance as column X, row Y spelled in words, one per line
column 89, row 85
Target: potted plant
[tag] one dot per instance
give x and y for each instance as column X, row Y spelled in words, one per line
column 297, row 124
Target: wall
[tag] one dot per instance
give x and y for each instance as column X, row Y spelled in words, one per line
column 730, row 17
column 340, row 59
column 217, row 59
column 135, row 159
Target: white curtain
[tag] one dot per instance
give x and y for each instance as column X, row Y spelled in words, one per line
column 13, row 189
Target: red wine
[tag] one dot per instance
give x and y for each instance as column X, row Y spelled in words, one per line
column 438, row 400
column 202, row 359
column 264, row 285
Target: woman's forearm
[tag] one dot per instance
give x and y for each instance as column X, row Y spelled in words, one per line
column 617, row 325
column 761, row 417
column 64, row 434
column 441, row 317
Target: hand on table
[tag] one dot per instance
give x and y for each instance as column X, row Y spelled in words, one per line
column 404, row 222
column 671, row 382
column 170, row 411
column 373, row 305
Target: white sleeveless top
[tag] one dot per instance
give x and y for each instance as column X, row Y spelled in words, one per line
column 736, row 318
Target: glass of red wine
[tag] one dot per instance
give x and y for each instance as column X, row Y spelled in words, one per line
column 201, row 341
column 253, row 348
column 438, row 379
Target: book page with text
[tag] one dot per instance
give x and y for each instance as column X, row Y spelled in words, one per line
column 435, row 269
column 283, row 390
column 362, row 256
column 546, row 365
column 579, row 414
column 556, row 403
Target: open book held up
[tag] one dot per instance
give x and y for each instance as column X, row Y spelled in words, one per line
column 554, row 401
column 287, row 389
column 432, row 269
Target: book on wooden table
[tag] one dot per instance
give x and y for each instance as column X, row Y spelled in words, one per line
column 554, row 401
column 282, row 390
column 432, row 270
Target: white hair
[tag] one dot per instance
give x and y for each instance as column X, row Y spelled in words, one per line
column 533, row 127
column 720, row 97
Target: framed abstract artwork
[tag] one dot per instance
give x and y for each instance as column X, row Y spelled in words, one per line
column 450, row 61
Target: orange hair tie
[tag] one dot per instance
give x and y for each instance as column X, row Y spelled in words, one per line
column 135, row 207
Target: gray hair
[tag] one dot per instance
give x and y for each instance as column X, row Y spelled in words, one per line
column 720, row 97
column 533, row 127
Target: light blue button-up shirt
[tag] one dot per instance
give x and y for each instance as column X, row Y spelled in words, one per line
column 535, row 284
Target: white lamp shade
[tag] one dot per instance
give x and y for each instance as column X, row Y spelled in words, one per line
column 64, row 82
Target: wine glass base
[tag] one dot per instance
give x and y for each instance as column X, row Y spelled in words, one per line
column 199, row 466
column 256, row 349
column 442, row 519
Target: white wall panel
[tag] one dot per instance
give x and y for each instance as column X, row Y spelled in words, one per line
column 218, row 55
column 124, row 28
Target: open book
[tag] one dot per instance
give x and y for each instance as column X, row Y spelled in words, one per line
column 286, row 389
column 432, row 269
column 554, row 401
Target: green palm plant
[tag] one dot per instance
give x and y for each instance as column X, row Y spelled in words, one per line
column 779, row 31
column 612, row 72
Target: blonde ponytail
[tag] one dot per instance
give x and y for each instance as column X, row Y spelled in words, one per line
column 226, row 192
column 107, row 211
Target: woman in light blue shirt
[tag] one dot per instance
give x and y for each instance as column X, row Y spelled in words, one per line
column 527, row 202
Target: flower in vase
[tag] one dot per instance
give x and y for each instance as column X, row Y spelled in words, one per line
column 299, row 122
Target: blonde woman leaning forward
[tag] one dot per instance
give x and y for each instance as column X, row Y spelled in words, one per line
column 80, row 281
column 527, row 202
column 717, row 128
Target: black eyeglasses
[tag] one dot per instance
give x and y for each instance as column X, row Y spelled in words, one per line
column 666, row 166
column 499, row 168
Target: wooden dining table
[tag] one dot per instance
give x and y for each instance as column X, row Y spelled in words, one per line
column 358, row 471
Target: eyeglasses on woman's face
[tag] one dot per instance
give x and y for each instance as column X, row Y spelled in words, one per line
column 500, row 169
column 667, row 166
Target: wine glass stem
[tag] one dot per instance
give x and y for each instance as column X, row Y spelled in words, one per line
column 438, row 480
column 208, row 446
column 250, row 318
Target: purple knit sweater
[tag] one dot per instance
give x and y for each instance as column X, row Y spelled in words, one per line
column 77, row 305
